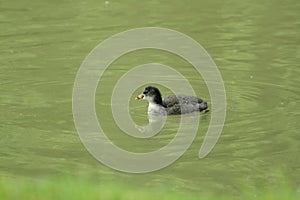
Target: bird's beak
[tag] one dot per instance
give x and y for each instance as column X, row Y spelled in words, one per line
column 139, row 97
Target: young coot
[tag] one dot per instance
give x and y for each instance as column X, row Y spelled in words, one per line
column 172, row 104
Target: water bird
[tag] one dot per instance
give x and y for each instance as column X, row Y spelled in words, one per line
column 172, row 104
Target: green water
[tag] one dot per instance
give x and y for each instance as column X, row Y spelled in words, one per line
column 255, row 45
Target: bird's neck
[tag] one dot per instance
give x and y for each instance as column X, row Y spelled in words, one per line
column 158, row 100
column 154, row 109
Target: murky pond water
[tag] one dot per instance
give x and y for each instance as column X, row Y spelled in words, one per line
column 254, row 44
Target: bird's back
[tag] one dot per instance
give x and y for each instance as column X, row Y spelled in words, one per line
column 181, row 104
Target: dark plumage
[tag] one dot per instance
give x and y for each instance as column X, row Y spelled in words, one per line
column 172, row 104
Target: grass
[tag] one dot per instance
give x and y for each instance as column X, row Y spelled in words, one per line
column 70, row 188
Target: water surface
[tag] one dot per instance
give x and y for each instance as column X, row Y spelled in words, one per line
column 255, row 45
